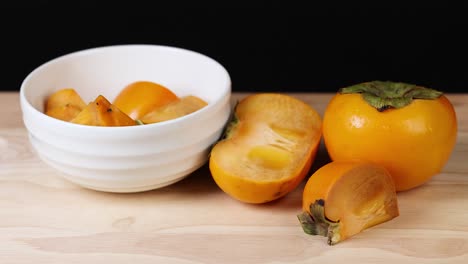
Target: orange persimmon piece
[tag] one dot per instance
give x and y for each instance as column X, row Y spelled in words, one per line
column 180, row 107
column 343, row 198
column 65, row 104
column 101, row 112
column 65, row 112
column 140, row 97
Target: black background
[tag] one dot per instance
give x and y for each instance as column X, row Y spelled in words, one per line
column 265, row 46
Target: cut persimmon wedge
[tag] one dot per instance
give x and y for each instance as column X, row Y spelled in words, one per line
column 65, row 112
column 64, row 104
column 343, row 198
column 180, row 107
column 268, row 148
column 101, row 112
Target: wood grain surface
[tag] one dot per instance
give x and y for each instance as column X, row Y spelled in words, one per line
column 45, row 219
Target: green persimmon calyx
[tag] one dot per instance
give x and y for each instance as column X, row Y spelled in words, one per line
column 384, row 95
column 316, row 223
column 231, row 128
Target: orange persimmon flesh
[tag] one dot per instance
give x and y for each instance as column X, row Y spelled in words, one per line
column 268, row 148
column 343, row 198
column 64, row 104
column 140, row 97
column 101, row 112
column 180, row 107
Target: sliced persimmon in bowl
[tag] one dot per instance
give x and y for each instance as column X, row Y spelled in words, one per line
column 177, row 108
column 64, row 104
column 343, row 198
column 268, row 148
column 140, row 97
column 101, row 112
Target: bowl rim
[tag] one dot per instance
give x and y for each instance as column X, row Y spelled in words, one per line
column 40, row 116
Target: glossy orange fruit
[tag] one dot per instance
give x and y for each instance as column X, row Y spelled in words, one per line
column 141, row 97
column 410, row 130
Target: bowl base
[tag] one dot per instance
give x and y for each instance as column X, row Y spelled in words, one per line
column 126, row 189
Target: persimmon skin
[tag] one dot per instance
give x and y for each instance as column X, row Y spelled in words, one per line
column 354, row 195
column 319, row 187
column 413, row 142
column 140, row 97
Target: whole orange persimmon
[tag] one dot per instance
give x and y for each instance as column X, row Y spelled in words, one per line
column 140, row 97
column 409, row 129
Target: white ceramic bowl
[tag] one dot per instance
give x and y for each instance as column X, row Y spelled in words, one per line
column 133, row 158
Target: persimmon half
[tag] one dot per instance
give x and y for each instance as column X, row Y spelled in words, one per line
column 343, row 198
column 140, row 97
column 101, row 112
column 408, row 129
column 268, row 148
column 64, row 104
